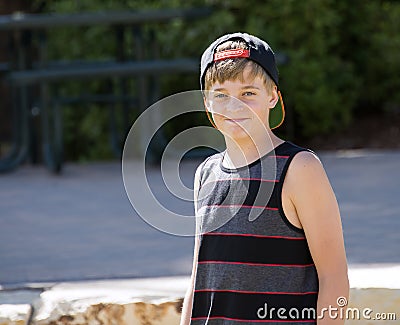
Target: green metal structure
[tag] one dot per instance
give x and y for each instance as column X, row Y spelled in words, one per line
column 33, row 83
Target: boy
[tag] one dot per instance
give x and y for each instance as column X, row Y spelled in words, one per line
column 269, row 246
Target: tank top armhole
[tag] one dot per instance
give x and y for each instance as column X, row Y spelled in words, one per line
column 201, row 171
column 280, row 186
column 201, row 174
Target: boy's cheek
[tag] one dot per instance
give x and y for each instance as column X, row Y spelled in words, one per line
column 218, row 120
column 220, row 123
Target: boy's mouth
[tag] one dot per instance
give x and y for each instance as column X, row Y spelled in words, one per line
column 236, row 120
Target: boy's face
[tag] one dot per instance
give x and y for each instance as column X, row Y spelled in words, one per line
column 240, row 109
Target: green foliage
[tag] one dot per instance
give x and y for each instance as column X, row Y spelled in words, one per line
column 382, row 64
column 344, row 56
column 317, row 82
column 87, row 136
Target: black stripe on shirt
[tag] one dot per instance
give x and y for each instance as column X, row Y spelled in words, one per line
column 254, row 306
column 257, row 192
column 262, row 250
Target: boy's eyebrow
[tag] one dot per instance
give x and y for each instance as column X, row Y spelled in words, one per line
column 251, row 87
column 219, row 89
column 244, row 87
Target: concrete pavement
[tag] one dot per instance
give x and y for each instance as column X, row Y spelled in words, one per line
column 80, row 225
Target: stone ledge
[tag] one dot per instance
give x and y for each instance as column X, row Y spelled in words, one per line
column 378, row 301
column 374, row 276
column 144, row 311
column 137, row 301
column 14, row 314
column 158, row 300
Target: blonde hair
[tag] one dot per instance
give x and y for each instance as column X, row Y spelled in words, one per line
column 232, row 69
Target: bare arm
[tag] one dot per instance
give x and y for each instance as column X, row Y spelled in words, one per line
column 318, row 212
column 188, row 300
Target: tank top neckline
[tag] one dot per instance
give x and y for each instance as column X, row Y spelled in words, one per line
column 232, row 170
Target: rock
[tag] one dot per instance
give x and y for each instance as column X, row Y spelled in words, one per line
column 14, row 314
column 115, row 302
column 368, row 303
column 139, row 312
column 375, row 289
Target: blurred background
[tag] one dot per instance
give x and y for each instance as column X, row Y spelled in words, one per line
column 74, row 76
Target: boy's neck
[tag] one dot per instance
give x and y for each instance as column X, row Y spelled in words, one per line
column 243, row 153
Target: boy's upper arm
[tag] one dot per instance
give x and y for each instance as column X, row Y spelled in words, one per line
column 196, row 185
column 196, row 188
column 317, row 209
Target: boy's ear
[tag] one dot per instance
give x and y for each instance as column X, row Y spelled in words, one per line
column 273, row 100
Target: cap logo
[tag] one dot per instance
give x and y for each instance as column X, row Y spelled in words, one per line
column 228, row 54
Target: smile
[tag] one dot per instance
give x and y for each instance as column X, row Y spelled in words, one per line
column 236, row 120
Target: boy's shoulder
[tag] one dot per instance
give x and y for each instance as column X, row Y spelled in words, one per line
column 305, row 167
column 291, row 149
column 300, row 156
column 208, row 163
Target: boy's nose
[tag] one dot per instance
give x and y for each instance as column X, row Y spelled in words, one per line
column 234, row 105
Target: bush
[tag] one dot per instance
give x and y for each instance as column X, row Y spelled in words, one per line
column 343, row 56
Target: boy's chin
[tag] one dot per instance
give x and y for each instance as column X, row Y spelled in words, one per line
column 235, row 135
column 239, row 133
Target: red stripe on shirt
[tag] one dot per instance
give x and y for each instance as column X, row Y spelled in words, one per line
column 255, row 320
column 254, row 264
column 252, row 235
column 241, row 206
column 245, row 179
column 258, row 292
column 277, row 156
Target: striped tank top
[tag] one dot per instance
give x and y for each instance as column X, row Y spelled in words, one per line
column 254, row 266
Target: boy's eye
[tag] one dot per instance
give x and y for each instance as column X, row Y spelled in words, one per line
column 220, row 95
column 249, row 93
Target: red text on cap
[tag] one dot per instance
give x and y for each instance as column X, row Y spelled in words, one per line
column 229, row 54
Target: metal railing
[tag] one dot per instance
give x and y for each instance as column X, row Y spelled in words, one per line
column 24, row 75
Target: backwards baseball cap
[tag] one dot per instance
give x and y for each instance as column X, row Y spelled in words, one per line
column 259, row 52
